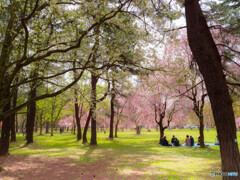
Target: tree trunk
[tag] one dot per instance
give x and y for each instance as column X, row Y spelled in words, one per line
column 93, row 103
column 40, row 129
column 138, row 130
column 112, row 111
column 16, row 117
column 161, row 130
column 86, row 127
column 208, row 59
column 52, row 126
column 79, row 132
column 201, row 130
column 31, row 117
column 23, row 124
column 6, row 125
column 47, row 127
column 74, row 129
column 13, row 118
column 36, row 126
column 116, row 129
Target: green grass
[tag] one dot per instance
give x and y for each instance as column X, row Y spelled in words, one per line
column 132, row 154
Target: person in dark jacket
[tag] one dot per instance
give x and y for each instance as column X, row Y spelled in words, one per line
column 164, row 141
column 198, row 141
column 191, row 141
column 176, row 142
column 173, row 139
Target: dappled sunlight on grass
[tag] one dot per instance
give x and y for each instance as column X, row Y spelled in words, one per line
column 130, row 154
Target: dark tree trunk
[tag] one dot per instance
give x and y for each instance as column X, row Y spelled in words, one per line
column 79, row 132
column 201, row 130
column 74, row 129
column 93, row 119
column 13, row 118
column 52, row 125
column 16, row 117
column 161, row 130
column 13, row 132
column 31, row 117
column 86, row 127
column 47, row 127
column 6, row 126
column 112, row 112
column 36, row 126
column 208, row 59
column 40, row 129
column 23, row 124
column 138, row 130
column 116, row 130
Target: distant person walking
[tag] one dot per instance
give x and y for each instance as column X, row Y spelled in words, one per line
column 187, row 141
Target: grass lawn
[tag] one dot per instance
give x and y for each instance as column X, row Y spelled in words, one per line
column 131, row 155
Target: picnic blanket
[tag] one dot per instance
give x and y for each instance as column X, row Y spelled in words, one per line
column 207, row 144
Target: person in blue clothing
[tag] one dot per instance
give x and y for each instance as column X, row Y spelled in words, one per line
column 191, row 141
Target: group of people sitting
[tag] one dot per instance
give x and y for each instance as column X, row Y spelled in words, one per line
column 175, row 142
column 189, row 141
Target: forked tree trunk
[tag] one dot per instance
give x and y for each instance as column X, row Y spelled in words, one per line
column 86, row 127
column 208, row 59
column 31, row 117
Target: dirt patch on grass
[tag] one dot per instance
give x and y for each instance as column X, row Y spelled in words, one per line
column 51, row 168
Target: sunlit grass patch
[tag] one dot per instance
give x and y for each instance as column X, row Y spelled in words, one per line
column 132, row 155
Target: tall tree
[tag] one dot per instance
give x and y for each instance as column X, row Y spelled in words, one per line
column 113, row 95
column 208, row 59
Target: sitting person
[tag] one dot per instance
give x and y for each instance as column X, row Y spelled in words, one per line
column 176, row 142
column 187, row 141
column 198, row 141
column 191, row 141
column 165, row 142
column 173, row 139
column 216, row 141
